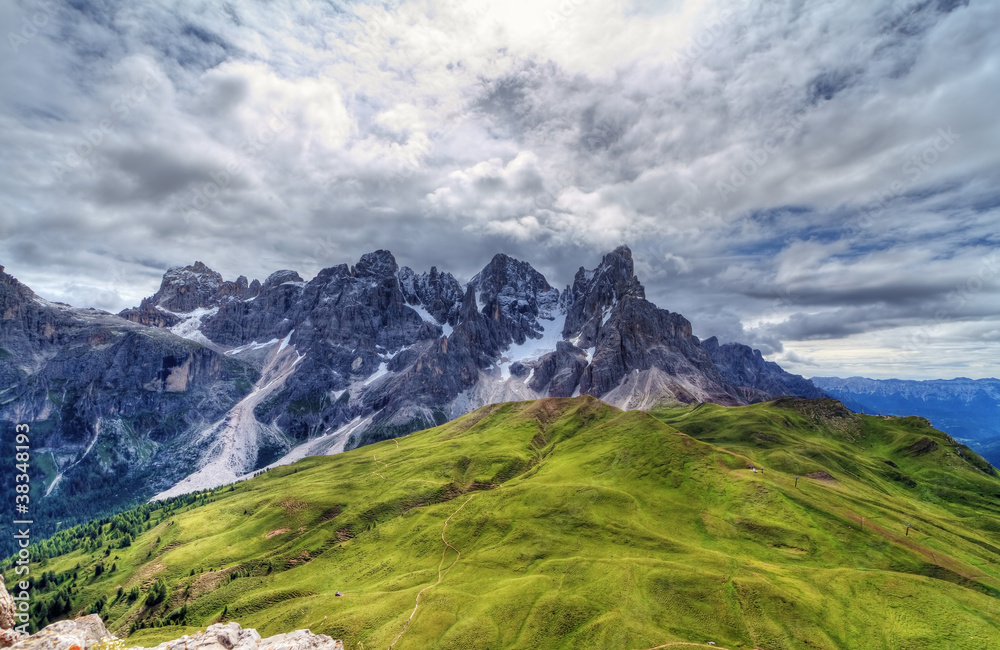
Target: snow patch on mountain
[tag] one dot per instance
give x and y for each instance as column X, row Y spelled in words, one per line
column 254, row 345
column 423, row 313
column 190, row 327
column 380, row 372
column 533, row 349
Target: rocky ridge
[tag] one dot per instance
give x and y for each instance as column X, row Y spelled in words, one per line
column 967, row 409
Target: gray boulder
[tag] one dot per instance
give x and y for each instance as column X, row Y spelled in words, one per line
column 63, row 635
column 84, row 632
column 6, row 607
column 231, row 636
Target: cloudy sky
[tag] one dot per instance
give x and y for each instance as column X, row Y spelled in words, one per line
column 819, row 179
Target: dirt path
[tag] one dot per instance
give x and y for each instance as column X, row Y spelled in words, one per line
column 377, row 461
column 688, row 644
column 441, row 572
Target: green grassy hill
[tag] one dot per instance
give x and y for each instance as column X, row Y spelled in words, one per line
column 567, row 524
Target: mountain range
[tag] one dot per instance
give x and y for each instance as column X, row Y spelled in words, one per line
column 210, row 380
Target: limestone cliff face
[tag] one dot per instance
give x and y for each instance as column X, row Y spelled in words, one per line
column 757, row 379
column 111, row 404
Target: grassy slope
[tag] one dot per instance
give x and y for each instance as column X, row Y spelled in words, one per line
column 610, row 530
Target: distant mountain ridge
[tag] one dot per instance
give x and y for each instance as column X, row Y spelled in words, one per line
column 210, row 380
column 968, row 409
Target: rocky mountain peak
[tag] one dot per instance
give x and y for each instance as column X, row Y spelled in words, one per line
column 352, row 356
column 516, row 299
column 439, row 293
column 596, row 293
column 279, row 278
column 742, row 366
column 615, row 276
column 12, row 291
column 512, row 289
column 379, row 264
column 184, row 289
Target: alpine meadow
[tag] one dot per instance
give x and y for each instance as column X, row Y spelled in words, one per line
column 569, row 523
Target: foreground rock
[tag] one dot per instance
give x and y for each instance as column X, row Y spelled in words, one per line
column 84, row 633
column 233, row 637
column 8, row 636
column 63, row 635
column 6, row 607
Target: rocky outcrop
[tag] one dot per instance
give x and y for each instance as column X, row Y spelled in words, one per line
column 629, row 338
column 231, row 636
column 513, row 296
column 439, row 293
column 638, row 337
column 65, row 635
column 758, row 379
column 596, row 293
column 83, row 633
column 6, row 607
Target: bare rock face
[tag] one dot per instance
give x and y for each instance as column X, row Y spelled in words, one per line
column 231, row 636
column 595, row 293
column 84, row 632
column 9, row 638
column 114, row 403
column 6, row 607
column 514, row 296
column 439, row 293
column 746, row 368
column 64, row 635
